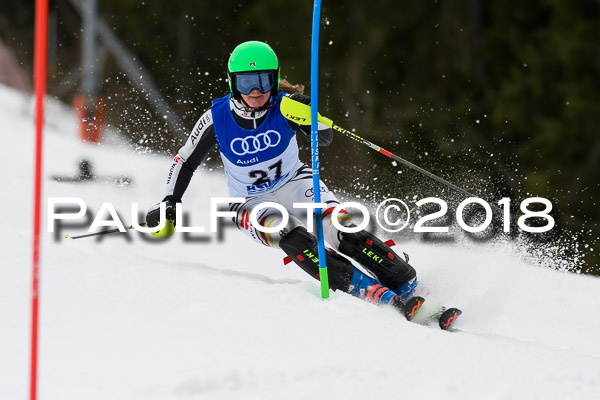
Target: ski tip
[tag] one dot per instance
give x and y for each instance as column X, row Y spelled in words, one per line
column 67, row 236
column 448, row 318
column 412, row 305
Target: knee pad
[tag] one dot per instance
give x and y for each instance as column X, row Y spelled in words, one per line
column 301, row 247
column 377, row 257
column 268, row 217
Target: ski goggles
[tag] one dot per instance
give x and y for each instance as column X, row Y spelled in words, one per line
column 263, row 81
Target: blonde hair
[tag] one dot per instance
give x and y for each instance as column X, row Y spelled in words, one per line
column 287, row 87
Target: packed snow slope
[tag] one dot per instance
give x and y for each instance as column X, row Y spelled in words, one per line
column 124, row 318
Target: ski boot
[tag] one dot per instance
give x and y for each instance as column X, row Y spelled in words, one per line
column 301, row 247
column 364, row 286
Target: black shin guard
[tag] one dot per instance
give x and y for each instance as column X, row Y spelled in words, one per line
column 301, row 247
column 376, row 256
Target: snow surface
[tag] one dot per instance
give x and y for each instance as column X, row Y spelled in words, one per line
column 227, row 320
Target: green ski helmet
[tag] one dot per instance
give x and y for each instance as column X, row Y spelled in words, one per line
column 253, row 65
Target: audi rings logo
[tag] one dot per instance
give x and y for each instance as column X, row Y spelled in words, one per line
column 254, row 144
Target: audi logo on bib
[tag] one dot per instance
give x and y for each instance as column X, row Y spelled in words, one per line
column 254, row 144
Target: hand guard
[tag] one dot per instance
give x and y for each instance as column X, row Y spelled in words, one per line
column 153, row 218
column 301, row 98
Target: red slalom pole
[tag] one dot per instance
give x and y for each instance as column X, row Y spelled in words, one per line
column 39, row 78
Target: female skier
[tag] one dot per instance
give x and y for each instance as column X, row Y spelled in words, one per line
column 260, row 154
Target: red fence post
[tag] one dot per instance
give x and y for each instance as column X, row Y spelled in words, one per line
column 39, row 78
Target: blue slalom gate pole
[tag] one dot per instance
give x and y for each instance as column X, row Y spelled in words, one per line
column 314, row 141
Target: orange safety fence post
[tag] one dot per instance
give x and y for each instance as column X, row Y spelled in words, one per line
column 91, row 117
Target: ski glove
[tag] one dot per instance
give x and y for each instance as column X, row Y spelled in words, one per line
column 153, row 218
column 301, row 98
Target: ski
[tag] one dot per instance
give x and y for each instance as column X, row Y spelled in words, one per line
column 409, row 307
column 448, row 317
column 442, row 317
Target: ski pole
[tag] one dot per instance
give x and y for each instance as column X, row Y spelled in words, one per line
column 300, row 113
column 101, row 233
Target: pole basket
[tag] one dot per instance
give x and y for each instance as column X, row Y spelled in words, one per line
column 91, row 116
